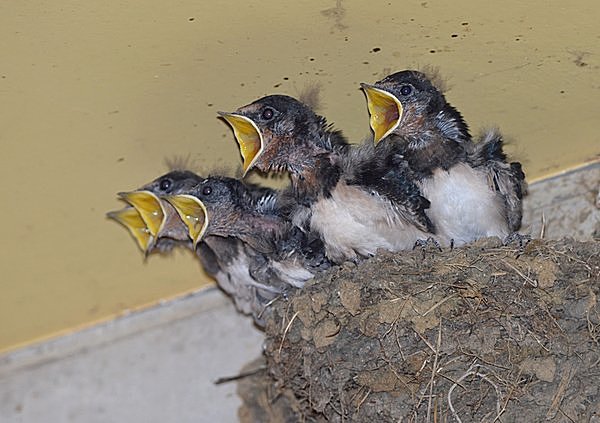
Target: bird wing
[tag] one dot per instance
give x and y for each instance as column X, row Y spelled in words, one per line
column 384, row 171
column 242, row 275
column 507, row 179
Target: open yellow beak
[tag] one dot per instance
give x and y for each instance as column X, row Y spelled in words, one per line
column 149, row 207
column 385, row 110
column 248, row 137
column 193, row 213
column 131, row 219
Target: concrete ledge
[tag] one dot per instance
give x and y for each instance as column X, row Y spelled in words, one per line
column 153, row 366
column 569, row 204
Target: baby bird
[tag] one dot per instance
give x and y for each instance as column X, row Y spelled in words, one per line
column 156, row 225
column 238, row 233
column 286, row 256
column 348, row 195
column 473, row 191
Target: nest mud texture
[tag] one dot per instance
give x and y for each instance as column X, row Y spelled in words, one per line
column 480, row 333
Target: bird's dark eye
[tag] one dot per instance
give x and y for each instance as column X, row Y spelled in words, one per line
column 206, row 190
column 405, row 90
column 165, row 184
column 267, row 114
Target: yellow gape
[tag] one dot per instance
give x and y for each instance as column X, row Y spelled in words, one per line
column 149, row 207
column 193, row 213
column 248, row 137
column 131, row 219
column 385, row 110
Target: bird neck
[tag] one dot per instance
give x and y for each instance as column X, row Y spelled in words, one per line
column 258, row 230
column 442, row 154
column 439, row 142
column 316, row 178
column 312, row 161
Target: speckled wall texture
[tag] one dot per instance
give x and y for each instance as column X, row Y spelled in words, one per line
column 95, row 95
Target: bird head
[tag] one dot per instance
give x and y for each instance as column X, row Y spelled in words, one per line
column 152, row 220
column 407, row 104
column 211, row 207
column 231, row 208
column 277, row 132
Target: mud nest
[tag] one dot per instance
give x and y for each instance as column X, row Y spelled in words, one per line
column 480, row 333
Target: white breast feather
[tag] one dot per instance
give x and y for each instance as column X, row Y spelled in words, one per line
column 354, row 222
column 463, row 205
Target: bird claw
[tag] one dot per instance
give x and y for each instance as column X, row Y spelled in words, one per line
column 425, row 244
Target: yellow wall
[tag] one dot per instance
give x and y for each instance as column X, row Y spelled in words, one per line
column 94, row 96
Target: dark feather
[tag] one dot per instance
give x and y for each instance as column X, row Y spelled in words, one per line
column 508, row 178
column 385, row 171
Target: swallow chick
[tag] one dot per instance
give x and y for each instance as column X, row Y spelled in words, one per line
column 473, row 191
column 224, row 259
column 283, row 256
column 337, row 189
column 236, row 231
column 156, row 225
